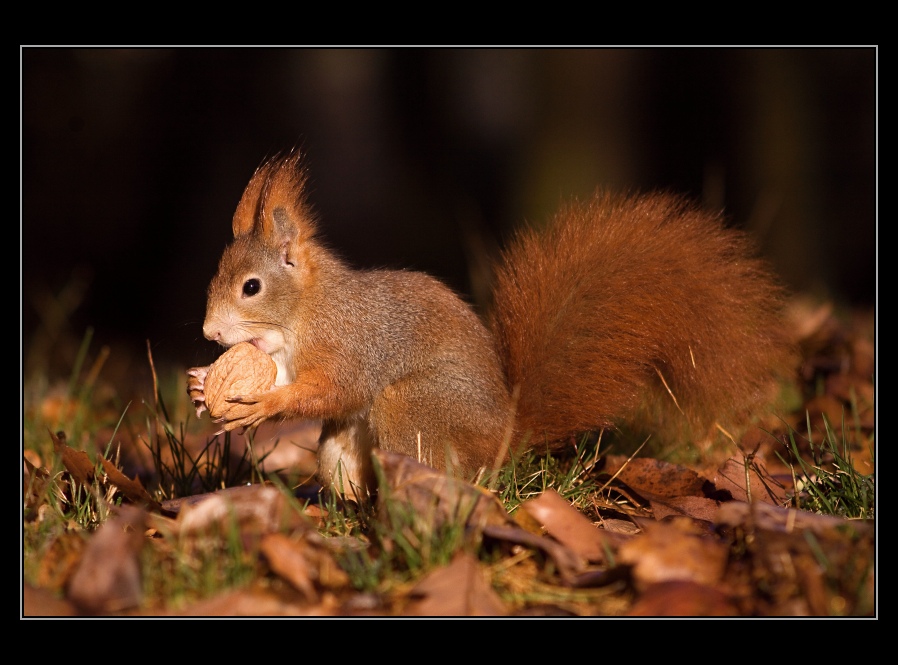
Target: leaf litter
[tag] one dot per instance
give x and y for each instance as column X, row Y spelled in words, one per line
column 663, row 539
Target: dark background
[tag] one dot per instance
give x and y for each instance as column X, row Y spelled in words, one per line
column 132, row 162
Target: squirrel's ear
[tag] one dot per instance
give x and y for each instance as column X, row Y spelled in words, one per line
column 284, row 217
column 248, row 208
column 273, row 203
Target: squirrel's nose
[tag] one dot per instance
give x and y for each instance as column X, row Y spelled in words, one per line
column 211, row 333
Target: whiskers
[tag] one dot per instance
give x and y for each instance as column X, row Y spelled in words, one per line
column 249, row 326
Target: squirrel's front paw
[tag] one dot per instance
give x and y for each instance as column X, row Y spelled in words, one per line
column 243, row 411
column 196, row 387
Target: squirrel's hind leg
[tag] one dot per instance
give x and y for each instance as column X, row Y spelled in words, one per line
column 344, row 458
column 443, row 419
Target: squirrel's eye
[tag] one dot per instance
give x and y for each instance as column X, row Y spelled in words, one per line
column 251, row 287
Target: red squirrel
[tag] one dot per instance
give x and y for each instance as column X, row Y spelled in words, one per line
column 625, row 308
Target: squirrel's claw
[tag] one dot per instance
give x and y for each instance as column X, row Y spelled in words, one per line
column 243, row 399
column 244, row 411
column 196, row 388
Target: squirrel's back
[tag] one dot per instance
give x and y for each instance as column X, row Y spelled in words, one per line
column 636, row 308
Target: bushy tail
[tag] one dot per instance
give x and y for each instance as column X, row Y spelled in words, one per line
column 635, row 307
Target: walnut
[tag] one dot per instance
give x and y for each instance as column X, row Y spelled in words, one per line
column 242, row 370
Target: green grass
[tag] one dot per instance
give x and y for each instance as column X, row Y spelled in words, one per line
column 529, row 474
column 394, row 542
column 826, row 480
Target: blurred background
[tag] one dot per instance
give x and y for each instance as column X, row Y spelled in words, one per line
column 132, row 161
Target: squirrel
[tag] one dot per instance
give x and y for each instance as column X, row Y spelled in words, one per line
column 625, row 308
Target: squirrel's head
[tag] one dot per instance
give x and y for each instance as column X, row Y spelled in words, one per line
column 270, row 262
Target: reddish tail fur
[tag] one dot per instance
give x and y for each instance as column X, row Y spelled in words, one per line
column 621, row 295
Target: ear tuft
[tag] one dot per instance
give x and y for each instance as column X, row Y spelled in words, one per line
column 273, row 203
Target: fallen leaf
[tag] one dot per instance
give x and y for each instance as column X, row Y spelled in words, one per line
column 845, row 388
column 32, row 458
column 108, row 578
column 527, row 522
column 568, row 563
column 38, row 602
column 256, row 601
column 132, row 489
column 806, row 563
column 460, row 589
column 682, row 599
column 807, row 572
column 669, row 551
column 654, row 476
column 35, row 482
column 76, row 462
column 828, row 406
column 569, row 526
column 432, row 497
column 807, row 319
column 696, row 507
column 303, row 563
column 254, row 507
column 84, row 472
column 619, row 526
column 60, row 559
column 787, row 520
column 286, row 559
column 863, row 358
column 731, row 477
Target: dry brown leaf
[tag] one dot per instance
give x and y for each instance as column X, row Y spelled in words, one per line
column 863, row 358
column 797, row 556
column 845, row 388
column 683, row 599
column 285, row 558
column 619, row 526
column 655, row 477
column 316, row 514
column 35, row 481
column 242, row 370
column 257, row 508
column 671, row 551
column 829, row 406
column 257, row 601
column 60, row 559
column 303, row 563
column 83, row 470
column 568, row 563
column 808, row 319
column 33, row 458
column 731, row 477
column 461, row 589
column 696, row 507
column 76, row 462
column 108, row 576
column 39, row 602
column 807, row 571
column 787, row 520
column 132, row 489
column 433, row 497
column 527, row 522
column 569, row 526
